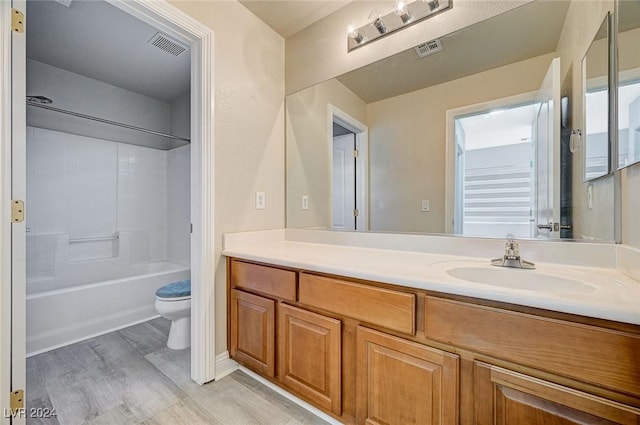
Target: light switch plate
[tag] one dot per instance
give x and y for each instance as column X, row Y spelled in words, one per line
column 305, row 202
column 425, row 205
column 590, row 196
column 260, row 201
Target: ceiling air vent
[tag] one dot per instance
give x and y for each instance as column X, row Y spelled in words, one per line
column 66, row 3
column 162, row 41
column 429, row 48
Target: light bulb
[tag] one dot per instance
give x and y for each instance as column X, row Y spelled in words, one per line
column 400, row 9
column 433, row 4
column 376, row 20
column 355, row 35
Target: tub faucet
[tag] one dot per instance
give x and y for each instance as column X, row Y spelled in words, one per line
column 511, row 257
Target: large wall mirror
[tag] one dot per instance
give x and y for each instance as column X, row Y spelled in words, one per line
column 628, row 82
column 471, row 140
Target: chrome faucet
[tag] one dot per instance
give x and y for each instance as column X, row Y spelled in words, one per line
column 511, row 257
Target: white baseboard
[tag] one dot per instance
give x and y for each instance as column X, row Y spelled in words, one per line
column 224, row 365
column 291, row 397
column 93, row 335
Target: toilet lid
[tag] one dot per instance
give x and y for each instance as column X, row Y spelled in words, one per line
column 180, row 289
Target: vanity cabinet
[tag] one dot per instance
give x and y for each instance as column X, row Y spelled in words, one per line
column 305, row 356
column 402, row 382
column 370, row 353
column 309, row 356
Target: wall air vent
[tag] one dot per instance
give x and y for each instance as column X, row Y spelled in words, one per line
column 162, row 41
column 429, row 48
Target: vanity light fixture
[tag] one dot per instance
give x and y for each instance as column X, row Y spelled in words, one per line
column 400, row 9
column 376, row 20
column 575, row 140
column 403, row 14
column 433, row 4
column 355, row 35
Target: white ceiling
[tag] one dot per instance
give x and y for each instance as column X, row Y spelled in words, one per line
column 99, row 41
column 498, row 128
column 289, row 17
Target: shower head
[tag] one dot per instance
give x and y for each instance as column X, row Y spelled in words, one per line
column 39, row 99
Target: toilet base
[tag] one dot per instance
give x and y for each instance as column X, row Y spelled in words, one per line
column 180, row 334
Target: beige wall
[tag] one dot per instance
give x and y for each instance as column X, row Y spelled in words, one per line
column 584, row 18
column 628, row 56
column 597, row 60
column 308, row 149
column 249, row 128
column 407, row 143
column 319, row 52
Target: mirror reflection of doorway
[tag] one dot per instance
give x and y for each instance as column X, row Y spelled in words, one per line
column 349, row 172
column 345, row 180
column 494, row 166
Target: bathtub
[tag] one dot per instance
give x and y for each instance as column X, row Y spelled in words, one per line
column 59, row 317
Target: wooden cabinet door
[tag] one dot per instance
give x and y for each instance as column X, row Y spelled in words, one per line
column 400, row 382
column 309, row 356
column 503, row 397
column 253, row 332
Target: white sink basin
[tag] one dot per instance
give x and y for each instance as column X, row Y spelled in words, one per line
column 521, row 279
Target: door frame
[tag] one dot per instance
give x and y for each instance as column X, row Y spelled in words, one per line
column 5, row 210
column 551, row 81
column 458, row 181
column 168, row 18
column 450, row 149
column 335, row 114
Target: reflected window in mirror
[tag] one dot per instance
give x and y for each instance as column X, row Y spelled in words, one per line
column 595, row 66
column 628, row 83
column 494, row 176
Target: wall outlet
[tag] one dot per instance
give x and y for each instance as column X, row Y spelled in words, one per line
column 305, row 202
column 425, row 205
column 260, row 201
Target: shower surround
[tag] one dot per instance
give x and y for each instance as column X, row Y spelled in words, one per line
column 108, row 223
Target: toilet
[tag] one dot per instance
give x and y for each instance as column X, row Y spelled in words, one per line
column 173, row 302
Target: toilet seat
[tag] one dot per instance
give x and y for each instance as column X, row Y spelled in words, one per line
column 175, row 291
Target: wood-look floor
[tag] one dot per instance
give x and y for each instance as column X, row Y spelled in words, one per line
column 131, row 377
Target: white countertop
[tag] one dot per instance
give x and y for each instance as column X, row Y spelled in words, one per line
column 607, row 293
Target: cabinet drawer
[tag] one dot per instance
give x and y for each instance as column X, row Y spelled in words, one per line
column 383, row 307
column 598, row 356
column 505, row 397
column 267, row 280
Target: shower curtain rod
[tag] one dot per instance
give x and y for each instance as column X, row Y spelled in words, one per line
column 102, row 120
